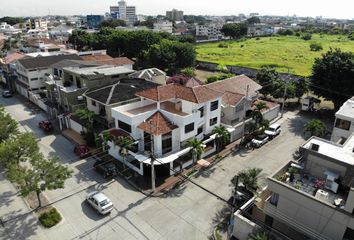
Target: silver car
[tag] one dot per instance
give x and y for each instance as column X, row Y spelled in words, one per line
column 260, row 140
column 99, row 202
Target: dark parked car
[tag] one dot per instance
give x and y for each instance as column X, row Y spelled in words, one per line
column 82, row 150
column 106, row 167
column 7, row 93
column 46, row 125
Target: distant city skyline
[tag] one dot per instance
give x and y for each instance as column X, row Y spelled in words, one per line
column 341, row 9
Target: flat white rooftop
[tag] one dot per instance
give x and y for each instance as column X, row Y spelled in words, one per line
column 343, row 153
column 347, row 109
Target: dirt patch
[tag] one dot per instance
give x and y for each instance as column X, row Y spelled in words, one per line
column 203, row 75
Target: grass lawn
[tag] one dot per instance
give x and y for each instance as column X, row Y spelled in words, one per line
column 282, row 52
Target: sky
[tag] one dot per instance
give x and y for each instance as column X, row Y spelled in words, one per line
column 325, row 8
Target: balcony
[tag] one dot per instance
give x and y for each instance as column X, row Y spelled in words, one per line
column 172, row 108
column 141, row 110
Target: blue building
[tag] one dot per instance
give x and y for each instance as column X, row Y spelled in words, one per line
column 93, row 21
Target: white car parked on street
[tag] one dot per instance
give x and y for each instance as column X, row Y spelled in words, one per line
column 273, row 130
column 99, row 202
column 260, row 140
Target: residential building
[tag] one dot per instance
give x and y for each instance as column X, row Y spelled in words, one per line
column 31, row 72
column 209, row 31
column 124, row 12
column 101, row 100
column 317, row 202
column 93, row 21
column 8, row 70
column 8, row 29
column 163, row 26
column 73, row 81
column 151, row 74
column 174, row 15
column 161, row 123
column 344, row 123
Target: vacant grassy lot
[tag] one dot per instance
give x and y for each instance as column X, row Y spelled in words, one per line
column 282, row 52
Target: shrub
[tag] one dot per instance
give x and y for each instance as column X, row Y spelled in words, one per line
column 242, row 45
column 306, row 36
column 257, row 38
column 223, row 45
column 212, row 79
column 50, row 218
column 315, row 47
column 285, row 32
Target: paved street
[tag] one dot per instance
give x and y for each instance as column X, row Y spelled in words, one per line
column 185, row 213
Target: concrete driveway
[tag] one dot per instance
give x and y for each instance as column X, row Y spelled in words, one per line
column 187, row 212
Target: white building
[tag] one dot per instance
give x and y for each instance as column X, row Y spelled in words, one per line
column 31, row 72
column 344, row 124
column 163, row 120
column 212, row 31
column 124, row 12
column 163, row 26
column 8, row 29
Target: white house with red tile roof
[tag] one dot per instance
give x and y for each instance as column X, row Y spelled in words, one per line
column 165, row 118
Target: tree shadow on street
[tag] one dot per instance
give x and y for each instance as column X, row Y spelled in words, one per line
column 176, row 191
column 6, row 198
column 222, row 217
column 20, row 226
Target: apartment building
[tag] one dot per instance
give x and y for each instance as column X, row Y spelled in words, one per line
column 124, row 12
column 161, row 123
column 174, row 15
column 317, row 202
column 210, row 31
column 31, row 72
column 344, row 123
column 8, row 69
column 163, row 26
column 73, row 81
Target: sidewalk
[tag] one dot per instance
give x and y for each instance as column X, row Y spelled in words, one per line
column 18, row 220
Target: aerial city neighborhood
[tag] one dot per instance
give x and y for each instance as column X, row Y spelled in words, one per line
column 175, row 126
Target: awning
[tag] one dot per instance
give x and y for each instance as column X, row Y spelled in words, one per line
column 167, row 159
column 211, row 138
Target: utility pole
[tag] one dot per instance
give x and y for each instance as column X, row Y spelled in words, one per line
column 152, row 157
column 244, row 114
column 232, row 209
column 282, row 106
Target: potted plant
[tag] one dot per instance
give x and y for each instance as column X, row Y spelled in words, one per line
column 292, row 171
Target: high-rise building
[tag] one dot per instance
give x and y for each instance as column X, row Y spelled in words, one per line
column 93, row 21
column 175, row 15
column 124, row 12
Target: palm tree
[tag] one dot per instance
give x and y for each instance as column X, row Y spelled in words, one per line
column 222, row 137
column 315, row 127
column 259, row 106
column 197, row 148
column 258, row 235
column 124, row 144
column 249, row 178
column 88, row 117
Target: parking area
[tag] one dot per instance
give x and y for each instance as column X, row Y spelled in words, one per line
column 187, row 212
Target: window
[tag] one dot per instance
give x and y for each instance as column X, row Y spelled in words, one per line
column 166, row 143
column 147, row 141
column 213, row 121
column 214, row 105
column 274, row 199
column 200, row 130
column 124, row 126
column 201, row 110
column 34, row 79
column 342, row 124
column 93, row 103
column 189, row 128
column 239, row 108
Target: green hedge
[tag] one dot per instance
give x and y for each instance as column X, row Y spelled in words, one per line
column 50, row 218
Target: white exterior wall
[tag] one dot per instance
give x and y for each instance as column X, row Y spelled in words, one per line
column 211, row 114
column 338, row 133
column 272, row 113
column 76, row 126
column 91, row 107
column 306, row 214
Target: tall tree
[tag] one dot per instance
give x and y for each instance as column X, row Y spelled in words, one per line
column 197, row 148
column 316, row 128
column 222, row 137
column 8, row 126
column 333, row 76
column 88, row 117
column 44, row 174
column 124, row 144
column 20, row 149
column 234, row 30
column 253, row 20
column 266, row 77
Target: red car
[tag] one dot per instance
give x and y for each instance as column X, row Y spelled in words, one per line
column 82, row 150
column 46, row 125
